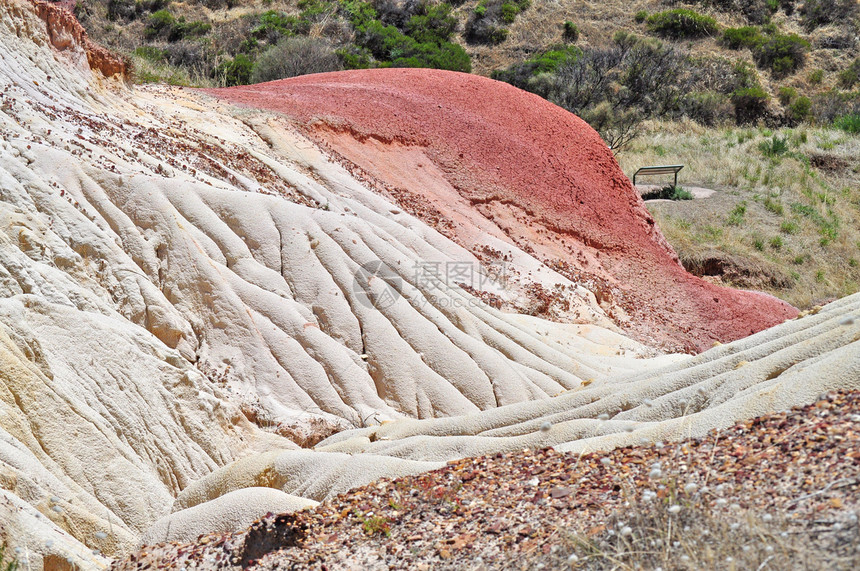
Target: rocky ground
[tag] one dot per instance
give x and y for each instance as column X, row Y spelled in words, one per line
column 778, row 492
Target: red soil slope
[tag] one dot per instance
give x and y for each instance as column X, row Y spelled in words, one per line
column 532, row 170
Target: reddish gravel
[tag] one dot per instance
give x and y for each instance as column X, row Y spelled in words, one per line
column 541, row 174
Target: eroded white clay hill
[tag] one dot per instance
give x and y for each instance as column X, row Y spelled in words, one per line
column 183, row 284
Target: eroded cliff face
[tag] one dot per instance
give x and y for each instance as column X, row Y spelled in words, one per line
column 65, row 33
column 183, row 282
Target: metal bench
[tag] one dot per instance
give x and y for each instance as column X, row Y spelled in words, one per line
column 662, row 169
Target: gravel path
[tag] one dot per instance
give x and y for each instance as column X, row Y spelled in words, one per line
column 776, row 492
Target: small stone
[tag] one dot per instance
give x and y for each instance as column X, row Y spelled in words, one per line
column 626, row 531
column 603, row 416
column 690, row 488
column 545, row 427
column 674, row 509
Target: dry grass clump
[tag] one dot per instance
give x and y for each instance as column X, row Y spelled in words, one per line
column 787, row 201
column 702, row 530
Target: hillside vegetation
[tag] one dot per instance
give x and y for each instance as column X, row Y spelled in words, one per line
column 759, row 98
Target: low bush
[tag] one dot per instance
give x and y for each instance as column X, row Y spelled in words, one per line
column 681, row 23
column 571, row 32
column 815, row 77
column 668, row 192
column 523, row 74
column 774, row 147
column 485, row 25
column 849, row 76
column 236, row 71
column 750, row 104
column 150, row 53
column 272, row 26
column 786, row 95
column 800, row 109
column 640, row 16
column 744, row 37
column 390, row 46
column 848, row 123
column 162, row 24
column 295, row 56
column 431, row 24
column 781, row 53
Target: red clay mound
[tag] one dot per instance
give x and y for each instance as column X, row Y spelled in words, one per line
column 534, row 173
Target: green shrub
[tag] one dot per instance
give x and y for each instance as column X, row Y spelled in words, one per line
column 776, row 242
column 485, row 24
column 522, row 74
column 681, row 23
column 272, row 26
column 786, row 95
column 815, row 76
column 509, row 12
column 162, row 24
column 774, row 147
column 849, row 123
column 745, row 37
column 295, row 56
column 571, row 32
column 750, row 104
column 236, row 71
column 391, row 47
column 432, row 24
column 851, row 75
column 799, row 109
column 355, row 57
column 150, row 53
column 781, row 54
column 640, row 16
column 159, row 24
